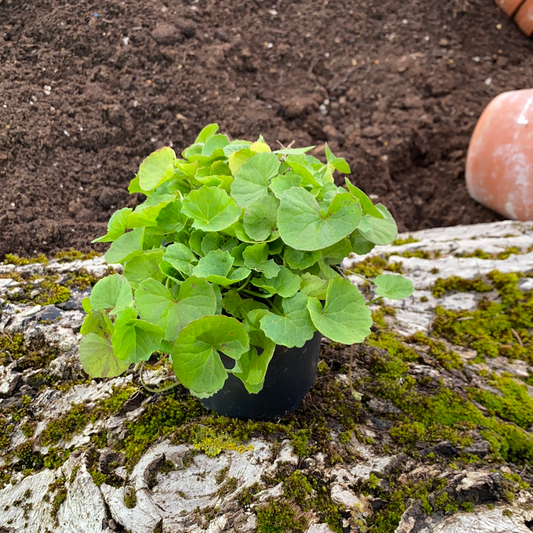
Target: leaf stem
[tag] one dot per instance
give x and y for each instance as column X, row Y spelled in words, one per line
column 253, row 293
column 375, row 300
column 245, row 283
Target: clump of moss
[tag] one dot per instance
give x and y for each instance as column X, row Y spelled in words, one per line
column 14, row 259
column 408, row 240
column 514, row 405
column 493, row 328
column 421, row 254
column 279, row 517
column 160, row 418
column 79, row 415
column 212, row 442
column 67, row 256
column 448, row 359
column 130, row 497
column 34, row 353
column 374, row 266
column 455, row 283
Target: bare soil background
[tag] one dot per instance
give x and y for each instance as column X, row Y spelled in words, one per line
column 88, row 89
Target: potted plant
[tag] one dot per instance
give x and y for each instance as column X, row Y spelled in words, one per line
column 231, row 267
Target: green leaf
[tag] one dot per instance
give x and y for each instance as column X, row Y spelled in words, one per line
column 196, row 298
column 157, row 168
column 111, row 293
column 136, row 340
column 170, row 218
column 239, row 307
column 214, row 143
column 116, row 225
column 215, row 263
column 195, row 353
column 314, row 286
column 146, row 213
column 180, row 257
column 153, row 301
column 251, row 181
column 299, row 259
column 285, row 283
column 256, row 258
column 211, row 209
column 216, row 266
column 211, row 242
column 366, row 203
column 260, row 218
column 237, row 159
column 99, row 323
column 97, row 358
column 345, row 317
column 393, row 286
column 360, row 245
column 135, row 187
column 125, row 247
column 333, row 255
column 284, row 182
column 338, row 163
column 254, row 367
column 206, row 133
column 294, row 328
column 379, row 230
column 144, row 266
column 303, row 225
column 86, row 304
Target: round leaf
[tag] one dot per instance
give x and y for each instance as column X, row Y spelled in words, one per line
column 294, row 328
column 251, row 181
column 97, row 358
column 345, row 317
column 393, row 286
column 195, row 353
column 157, row 168
column 303, row 225
column 211, row 209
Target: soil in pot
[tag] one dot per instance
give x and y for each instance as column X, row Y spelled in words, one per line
column 290, row 375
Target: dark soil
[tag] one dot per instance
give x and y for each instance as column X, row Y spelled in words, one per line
column 395, row 87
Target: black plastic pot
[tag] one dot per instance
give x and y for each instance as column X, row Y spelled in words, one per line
column 289, row 377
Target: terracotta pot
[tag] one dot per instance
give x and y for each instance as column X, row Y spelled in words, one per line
column 510, row 7
column 499, row 164
column 524, row 17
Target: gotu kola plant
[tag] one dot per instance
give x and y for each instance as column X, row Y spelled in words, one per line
column 235, row 250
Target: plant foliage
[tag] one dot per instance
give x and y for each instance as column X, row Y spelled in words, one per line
column 234, row 251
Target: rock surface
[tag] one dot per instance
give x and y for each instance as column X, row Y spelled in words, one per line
column 106, row 455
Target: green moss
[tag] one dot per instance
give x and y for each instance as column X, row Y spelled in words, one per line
column 79, row 415
column 279, row 517
column 448, row 359
column 408, row 240
column 64, row 427
column 34, row 353
column 229, row 486
column 370, row 267
column 74, row 255
column 514, row 405
column 14, row 259
column 373, row 266
column 212, row 442
column 160, row 418
column 421, row 254
column 455, row 283
column 493, row 328
column 130, row 497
